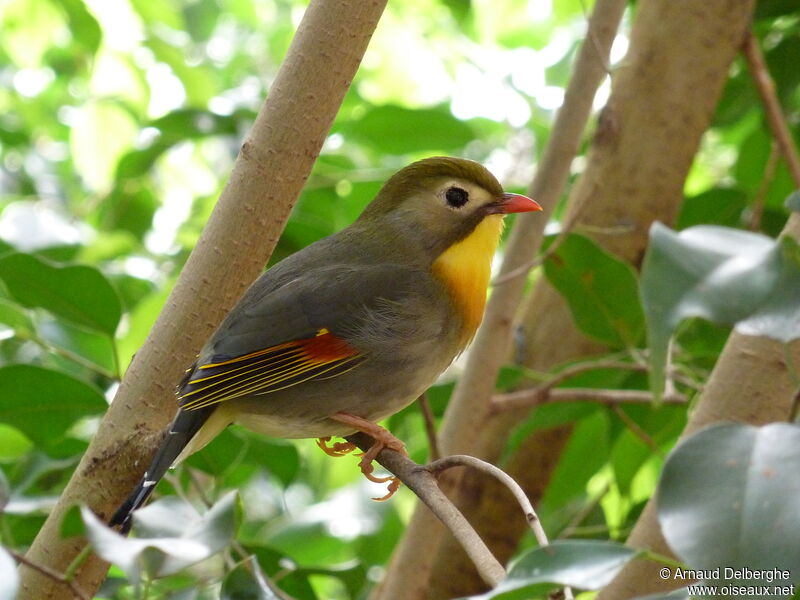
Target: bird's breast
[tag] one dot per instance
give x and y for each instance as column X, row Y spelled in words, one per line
column 464, row 269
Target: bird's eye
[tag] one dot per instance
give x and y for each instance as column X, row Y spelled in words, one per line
column 456, row 197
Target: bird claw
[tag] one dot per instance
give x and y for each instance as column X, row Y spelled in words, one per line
column 337, row 448
column 383, row 439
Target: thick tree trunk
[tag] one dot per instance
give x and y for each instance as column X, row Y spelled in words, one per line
column 663, row 98
column 273, row 164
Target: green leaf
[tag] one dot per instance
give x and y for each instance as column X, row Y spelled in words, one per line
column 43, row 404
column 9, row 578
column 397, row 130
column 95, row 347
column 15, row 317
column 581, row 564
column 13, row 444
column 728, row 498
column 724, row 275
column 247, row 582
column 84, row 27
column 717, row 206
column 600, row 290
column 71, row 523
column 189, row 538
column 77, row 293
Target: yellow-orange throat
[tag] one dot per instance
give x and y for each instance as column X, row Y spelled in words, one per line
column 465, row 268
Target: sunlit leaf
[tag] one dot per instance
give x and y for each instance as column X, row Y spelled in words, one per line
column 94, row 151
column 728, row 498
column 84, row 27
column 77, row 293
column 14, row 317
column 44, row 404
column 398, row 130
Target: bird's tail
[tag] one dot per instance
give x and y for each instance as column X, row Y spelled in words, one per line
column 180, row 433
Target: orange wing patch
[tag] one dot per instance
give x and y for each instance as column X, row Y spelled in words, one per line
column 268, row 370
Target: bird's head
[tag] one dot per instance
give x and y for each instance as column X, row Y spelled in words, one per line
column 440, row 201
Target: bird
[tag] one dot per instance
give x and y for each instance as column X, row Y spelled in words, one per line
column 352, row 328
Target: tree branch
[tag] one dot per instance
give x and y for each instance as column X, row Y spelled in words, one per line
column 772, row 106
column 532, row 397
column 422, row 481
column 51, row 574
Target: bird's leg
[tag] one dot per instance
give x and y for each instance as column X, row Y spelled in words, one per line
column 383, row 439
column 335, row 449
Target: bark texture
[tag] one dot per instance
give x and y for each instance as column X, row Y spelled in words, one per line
column 663, row 98
column 269, row 173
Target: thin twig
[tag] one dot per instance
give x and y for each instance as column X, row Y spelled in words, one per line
column 592, row 365
column 51, row 573
column 775, row 117
column 544, row 395
column 584, row 512
column 424, row 485
column 462, row 460
column 760, row 197
column 430, row 426
column 636, row 429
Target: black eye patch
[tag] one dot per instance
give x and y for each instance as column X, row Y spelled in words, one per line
column 456, row 197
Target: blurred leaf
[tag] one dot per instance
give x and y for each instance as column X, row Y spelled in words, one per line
column 77, row 293
column 770, row 9
column 580, row 564
column 44, row 404
column 728, row 498
column 724, row 275
column 97, row 348
column 9, row 578
column 781, row 65
column 247, row 582
column 793, row 202
column 717, row 206
column 13, row 443
column 192, row 538
column 15, row 317
column 84, row 27
column 95, row 152
column 396, row 130
column 600, row 290
column 291, row 581
column 201, row 17
column 129, row 207
column 72, row 523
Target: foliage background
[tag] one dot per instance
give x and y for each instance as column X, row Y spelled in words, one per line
column 119, row 122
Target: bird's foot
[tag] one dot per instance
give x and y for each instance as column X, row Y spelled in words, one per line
column 383, row 439
column 335, row 449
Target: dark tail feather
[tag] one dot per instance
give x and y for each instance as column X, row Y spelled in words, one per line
column 181, row 431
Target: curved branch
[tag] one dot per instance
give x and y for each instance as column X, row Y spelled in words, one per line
column 422, row 481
